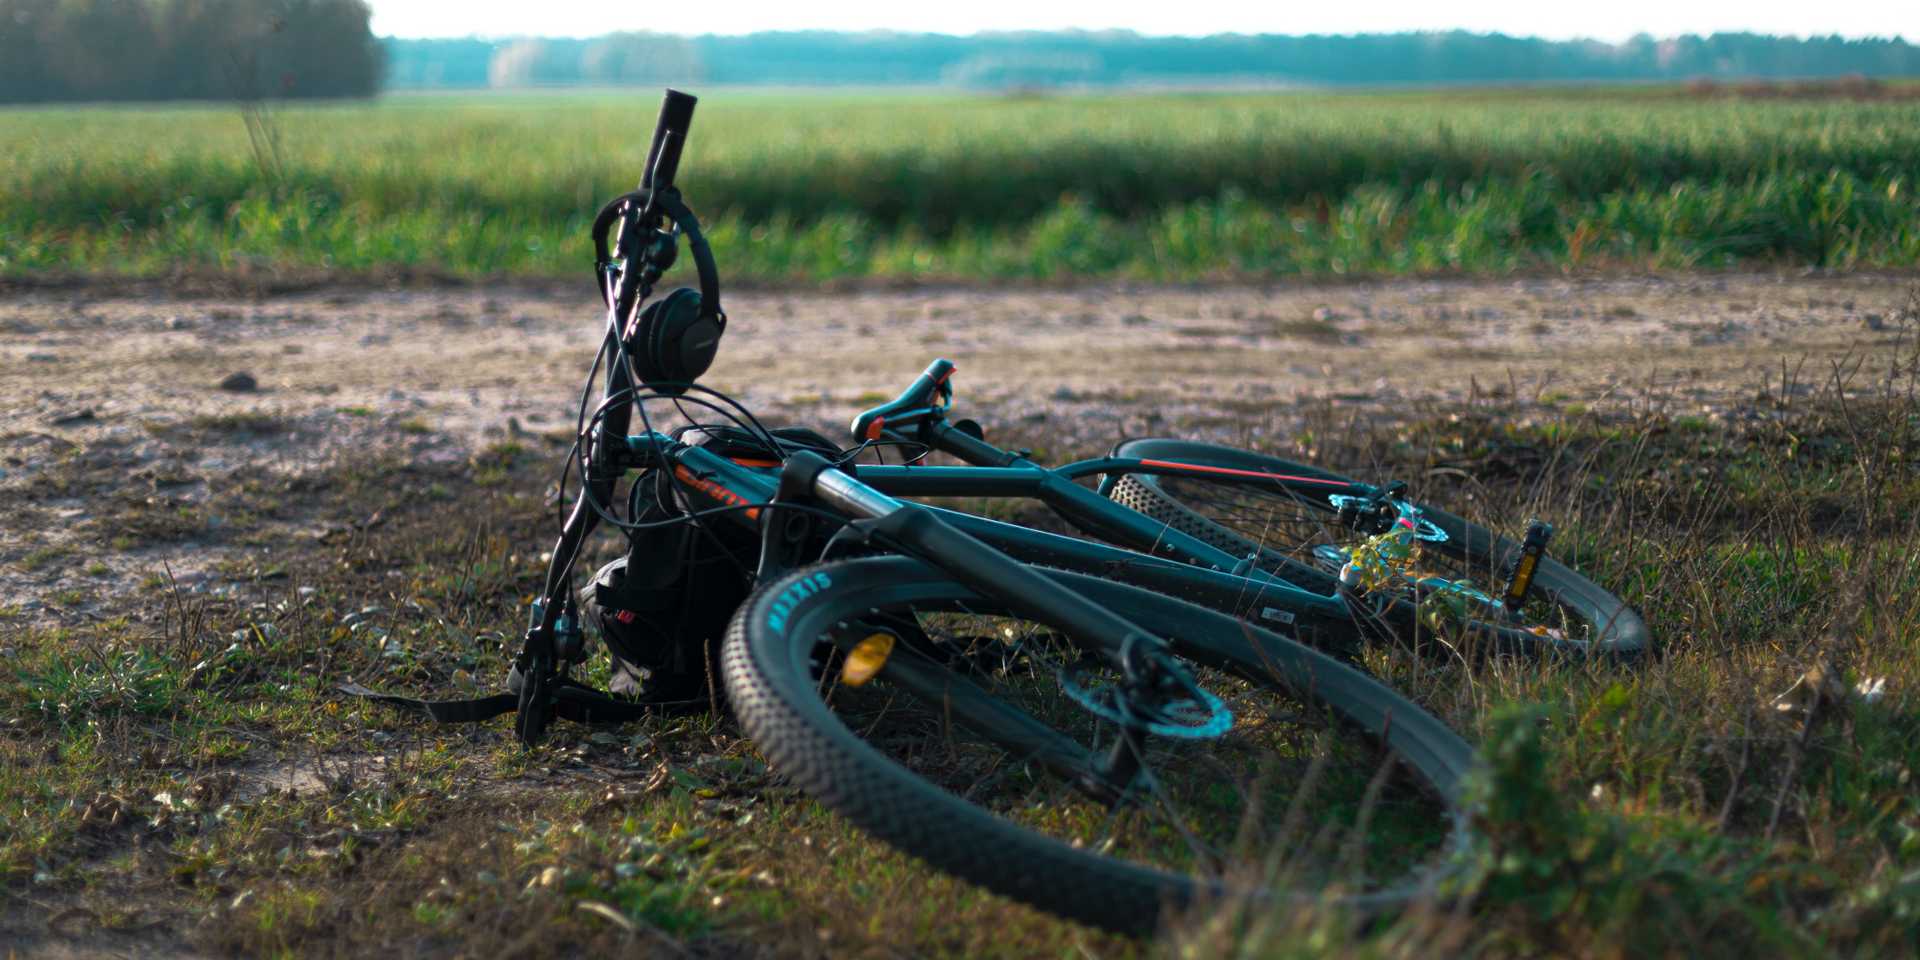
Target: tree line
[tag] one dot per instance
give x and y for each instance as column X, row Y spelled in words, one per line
column 79, row 50
column 75, row 50
column 1118, row 58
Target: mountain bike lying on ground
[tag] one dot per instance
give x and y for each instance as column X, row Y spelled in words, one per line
column 1102, row 729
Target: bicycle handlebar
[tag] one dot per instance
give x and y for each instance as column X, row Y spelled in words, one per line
column 669, row 136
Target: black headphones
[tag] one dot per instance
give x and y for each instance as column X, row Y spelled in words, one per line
column 673, row 341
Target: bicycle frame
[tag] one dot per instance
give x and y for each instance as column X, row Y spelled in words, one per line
column 1151, row 552
column 987, row 555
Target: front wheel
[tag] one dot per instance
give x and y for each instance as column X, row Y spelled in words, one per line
column 1295, row 520
column 989, row 746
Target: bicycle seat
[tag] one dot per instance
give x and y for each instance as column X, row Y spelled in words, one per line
column 925, row 398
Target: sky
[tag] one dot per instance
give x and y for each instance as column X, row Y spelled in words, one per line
column 1613, row 20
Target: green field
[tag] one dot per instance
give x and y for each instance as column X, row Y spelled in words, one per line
column 820, row 186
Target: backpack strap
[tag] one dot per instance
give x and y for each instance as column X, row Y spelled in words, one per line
column 441, row 711
column 572, row 700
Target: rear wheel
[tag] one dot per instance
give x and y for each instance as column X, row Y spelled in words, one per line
column 997, row 748
column 1288, row 518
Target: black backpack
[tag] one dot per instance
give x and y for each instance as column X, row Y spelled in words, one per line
column 663, row 608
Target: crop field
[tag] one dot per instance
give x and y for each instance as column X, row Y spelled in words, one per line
column 942, row 186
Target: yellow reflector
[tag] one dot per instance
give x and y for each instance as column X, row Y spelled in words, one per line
column 866, row 658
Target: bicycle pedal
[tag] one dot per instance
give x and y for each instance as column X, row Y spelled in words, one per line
column 1525, row 564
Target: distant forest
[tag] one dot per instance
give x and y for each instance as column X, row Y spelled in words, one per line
column 66, row 50
column 1111, row 59
column 78, row 50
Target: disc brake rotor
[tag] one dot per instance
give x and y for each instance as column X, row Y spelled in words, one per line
column 1197, row 716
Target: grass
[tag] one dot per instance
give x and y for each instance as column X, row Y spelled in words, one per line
column 937, row 186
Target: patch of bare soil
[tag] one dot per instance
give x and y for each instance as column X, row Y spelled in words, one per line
column 49, row 931
column 137, row 433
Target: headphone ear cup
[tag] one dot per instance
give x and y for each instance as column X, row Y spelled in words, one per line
column 684, row 339
column 674, row 311
column 673, row 341
column 694, row 349
column 640, row 346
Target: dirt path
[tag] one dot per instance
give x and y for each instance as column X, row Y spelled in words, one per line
column 110, row 402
